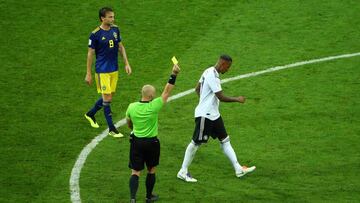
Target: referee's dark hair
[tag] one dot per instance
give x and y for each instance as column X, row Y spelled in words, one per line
column 103, row 11
column 226, row 57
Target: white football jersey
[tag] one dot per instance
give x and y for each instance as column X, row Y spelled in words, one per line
column 209, row 104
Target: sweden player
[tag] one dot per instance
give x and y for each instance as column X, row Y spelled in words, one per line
column 105, row 42
column 208, row 121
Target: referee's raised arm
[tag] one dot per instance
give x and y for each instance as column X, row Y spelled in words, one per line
column 171, row 83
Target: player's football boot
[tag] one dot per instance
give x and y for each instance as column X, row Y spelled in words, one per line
column 152, row 199
column 92, row 121
column 115, row 133
column 186, row 177
column 244, row 171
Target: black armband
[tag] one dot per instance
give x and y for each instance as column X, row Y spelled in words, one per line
column 172, row 79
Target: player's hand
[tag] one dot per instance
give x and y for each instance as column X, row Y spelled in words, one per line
column 241, row 99
column 88, row 79
column 128, row 69
column 176, row 69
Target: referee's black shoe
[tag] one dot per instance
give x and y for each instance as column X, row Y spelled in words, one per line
column 152, row 199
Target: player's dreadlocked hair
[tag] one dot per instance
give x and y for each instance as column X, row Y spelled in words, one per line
column 103, row 11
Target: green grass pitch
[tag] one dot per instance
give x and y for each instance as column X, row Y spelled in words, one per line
column 300, row 126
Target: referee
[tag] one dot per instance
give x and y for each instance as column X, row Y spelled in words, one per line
column 142, row 119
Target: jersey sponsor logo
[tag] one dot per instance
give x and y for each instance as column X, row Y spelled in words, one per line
column 103, row 38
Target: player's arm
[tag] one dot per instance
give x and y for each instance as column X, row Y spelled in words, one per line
column 220, row 95
column 123, row 54
column 89, row 61
column 197, row 89
column 171, row 83
column 129, row 123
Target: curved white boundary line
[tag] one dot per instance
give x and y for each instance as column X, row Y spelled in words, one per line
column 75, row 172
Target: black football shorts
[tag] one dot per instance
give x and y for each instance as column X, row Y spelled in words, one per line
column 204, row 128
column 144, row 151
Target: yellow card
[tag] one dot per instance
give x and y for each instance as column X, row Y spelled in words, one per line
column 174, row 60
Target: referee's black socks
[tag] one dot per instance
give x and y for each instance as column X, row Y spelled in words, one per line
column 133, row 184
column 150, row 182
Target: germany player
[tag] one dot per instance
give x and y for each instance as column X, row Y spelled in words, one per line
column 105, row 42
column 208, row 121
column 142, row 118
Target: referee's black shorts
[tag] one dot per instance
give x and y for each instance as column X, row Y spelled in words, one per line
column 144, row 151
column 205, row 127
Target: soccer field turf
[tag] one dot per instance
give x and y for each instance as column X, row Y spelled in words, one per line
column 300, row 127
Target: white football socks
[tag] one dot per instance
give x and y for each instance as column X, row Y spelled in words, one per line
column 189, row 156
column 230, row 153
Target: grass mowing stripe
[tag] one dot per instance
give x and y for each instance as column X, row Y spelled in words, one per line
column 75, row 173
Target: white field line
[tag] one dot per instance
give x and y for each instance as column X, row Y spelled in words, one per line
column 76, row 170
